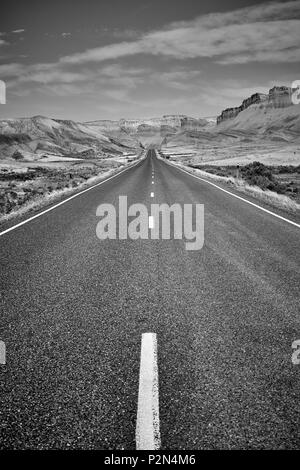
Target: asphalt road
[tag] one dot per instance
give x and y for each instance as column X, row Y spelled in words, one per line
column 73, row 309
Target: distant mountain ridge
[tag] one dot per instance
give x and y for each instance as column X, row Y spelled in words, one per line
column 271, row 117
column 132, row 125
column 150, row 130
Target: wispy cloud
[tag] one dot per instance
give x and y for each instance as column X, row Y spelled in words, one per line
column 11, row 70
column 18, row 31
column 111, row 80
column 99, row 54
column 179, row 78
column 268, row 31
column 2, row 41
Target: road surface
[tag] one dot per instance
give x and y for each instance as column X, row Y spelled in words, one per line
column 74, row 308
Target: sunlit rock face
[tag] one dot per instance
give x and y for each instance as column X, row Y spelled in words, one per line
column 231, row 113
column 278, row 97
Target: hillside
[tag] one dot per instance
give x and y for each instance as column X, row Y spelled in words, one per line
column 273, row 116
column 40, row 137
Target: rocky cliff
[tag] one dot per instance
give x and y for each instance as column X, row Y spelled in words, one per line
column 274, row 117
column 278, row 97
column 231, row 113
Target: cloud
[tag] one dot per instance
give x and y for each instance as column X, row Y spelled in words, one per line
column 10, row 70
column 2, row 42
column 287, row 55
column 270, row 27
column 58, row 80
column 18, row 31
column 53, row 76
column 99, row 54
column 178, row 78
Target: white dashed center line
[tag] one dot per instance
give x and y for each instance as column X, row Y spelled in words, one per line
column 2, row 353
column 151, row 221
column 147, row 425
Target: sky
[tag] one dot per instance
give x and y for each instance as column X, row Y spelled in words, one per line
column 111, row 59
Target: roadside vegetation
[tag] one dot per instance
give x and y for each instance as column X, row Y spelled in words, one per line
column 29, row 188
column 283, row 179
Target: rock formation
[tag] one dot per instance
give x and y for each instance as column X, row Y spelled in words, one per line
column 278, row 97
column 230, row 113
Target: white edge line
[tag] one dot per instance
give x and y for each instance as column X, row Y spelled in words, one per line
column 66, row 200
column 147, row 424
column 235, row 195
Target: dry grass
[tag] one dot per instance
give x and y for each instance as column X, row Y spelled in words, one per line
column 45, row 200
column 270, row 197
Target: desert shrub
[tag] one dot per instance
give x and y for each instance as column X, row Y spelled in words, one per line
column 287, row 169
column 13, row 194
column 17, row 155
column 258, row 174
